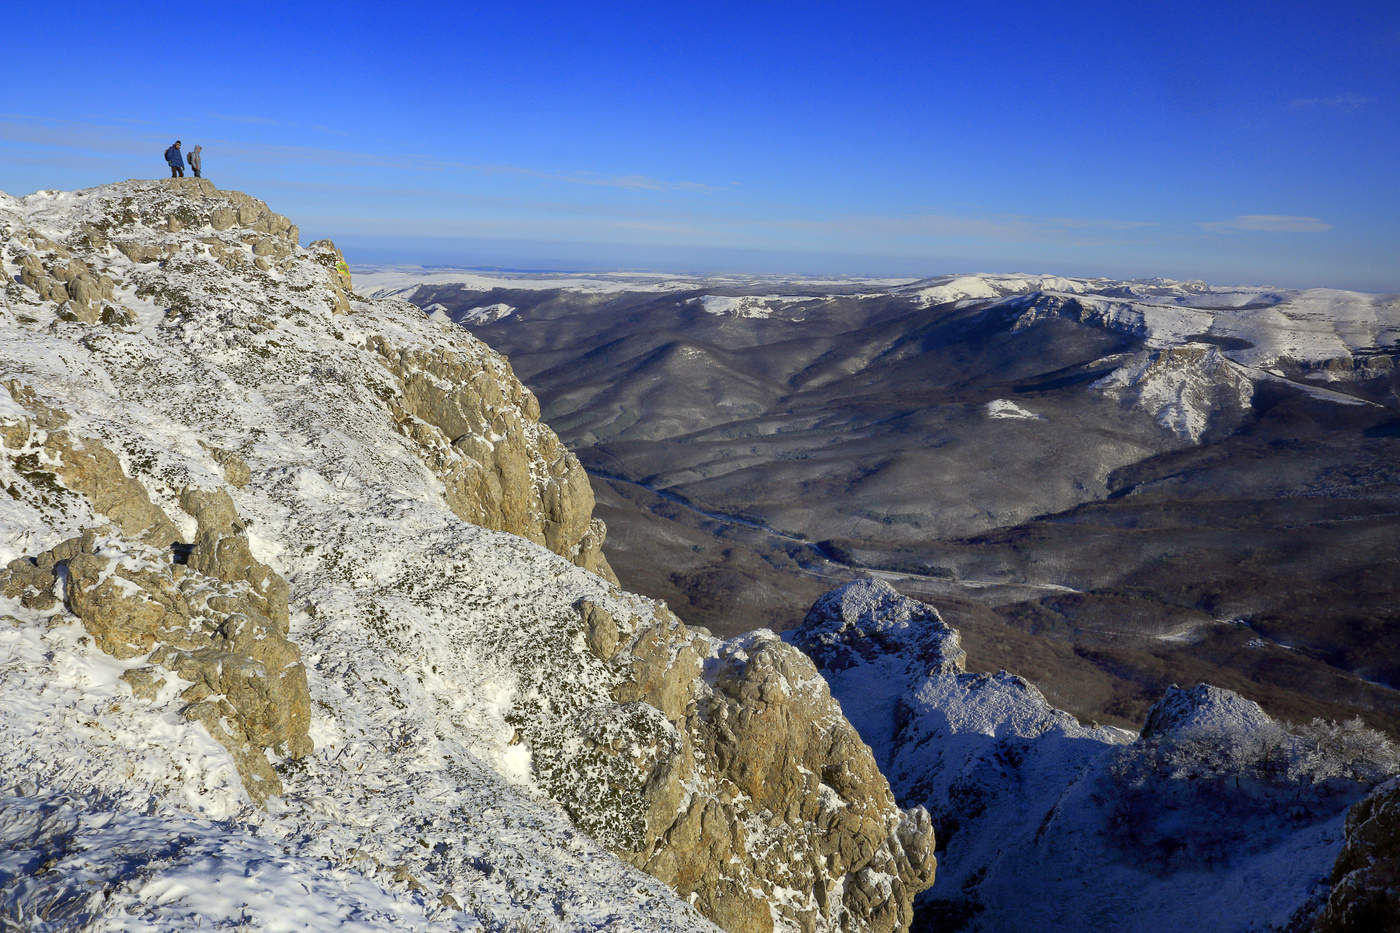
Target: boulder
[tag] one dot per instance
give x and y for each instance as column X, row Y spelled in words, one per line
column 1366, row 878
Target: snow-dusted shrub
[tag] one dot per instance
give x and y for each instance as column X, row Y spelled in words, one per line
column 1350, row 750
column 1206, row 795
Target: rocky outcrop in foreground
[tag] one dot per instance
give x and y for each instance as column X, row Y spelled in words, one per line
column 207, row 612
column 268, row 542
column 744, row 788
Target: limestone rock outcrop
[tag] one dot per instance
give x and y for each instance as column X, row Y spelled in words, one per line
column 474, row 424
column 477, row 428
column 214, row 617
column 1366, row 878
column 246, row 682
column 746, row 789
column 327, row 254
column 55, row 464
column 208, row 612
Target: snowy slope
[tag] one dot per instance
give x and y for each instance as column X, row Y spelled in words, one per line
column 447, row 725
column 416, row 801
column 1048, row 824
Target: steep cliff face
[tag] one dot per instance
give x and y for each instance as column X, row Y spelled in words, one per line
column 246, row 505
column 749, row 792
column 1366, row 879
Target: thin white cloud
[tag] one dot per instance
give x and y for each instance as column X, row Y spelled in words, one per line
column 1003, row 228
column 246, row 118
column 96, row 136
column 1268, row 223
column 1346, row 102
column 254, row 120
column 591, row 179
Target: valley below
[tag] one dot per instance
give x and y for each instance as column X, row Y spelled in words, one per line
column 1107, row 487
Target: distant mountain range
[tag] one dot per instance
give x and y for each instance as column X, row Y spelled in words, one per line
column 1109, row 486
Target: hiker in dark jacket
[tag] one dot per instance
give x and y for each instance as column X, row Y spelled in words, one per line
column 175, row 161
column 194, row 160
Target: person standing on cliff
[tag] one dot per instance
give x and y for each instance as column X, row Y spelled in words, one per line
column 195, row 162
column 175, row 161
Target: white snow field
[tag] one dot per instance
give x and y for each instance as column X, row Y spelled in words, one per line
column 118, row 814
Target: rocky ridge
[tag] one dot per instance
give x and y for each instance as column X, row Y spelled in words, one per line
column 1212, row 796
column 245, row 503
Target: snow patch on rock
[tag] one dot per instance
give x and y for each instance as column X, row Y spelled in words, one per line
column 1188, row 390
column 486, row 314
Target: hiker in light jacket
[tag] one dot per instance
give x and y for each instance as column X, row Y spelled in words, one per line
column 194, row 160
column 175, row 161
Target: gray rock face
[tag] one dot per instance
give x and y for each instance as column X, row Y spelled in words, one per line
column 745, row 789
column 1366, row 879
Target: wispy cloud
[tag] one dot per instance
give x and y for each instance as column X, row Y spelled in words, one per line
column 246, row 118
column 1268, row 223
column 592, row 179
column 106, row 137
column 1003, row 228
column 1345, row 102
column 255, row 120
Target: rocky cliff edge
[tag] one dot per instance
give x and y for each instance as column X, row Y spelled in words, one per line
column 267, row 542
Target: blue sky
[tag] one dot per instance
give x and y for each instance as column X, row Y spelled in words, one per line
column 1231, row 142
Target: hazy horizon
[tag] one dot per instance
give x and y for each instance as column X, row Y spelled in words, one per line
column 1253, row 142
column 525, row 257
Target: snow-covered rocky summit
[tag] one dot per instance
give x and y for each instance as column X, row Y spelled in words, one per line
column 1203, row 348
column 1216, row 817
column 305, row 623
